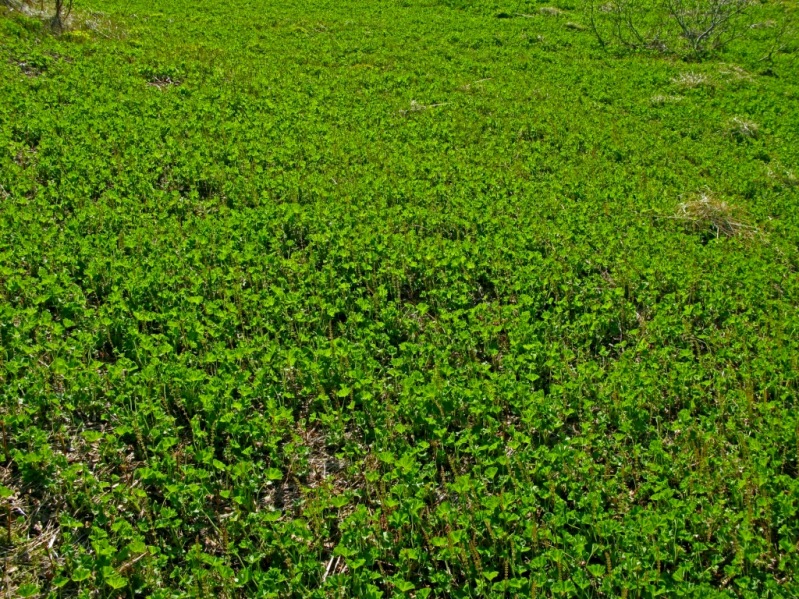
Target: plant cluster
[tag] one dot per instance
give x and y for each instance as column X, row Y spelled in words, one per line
column 384, row 299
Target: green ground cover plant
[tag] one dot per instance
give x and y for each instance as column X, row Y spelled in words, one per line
column 384, row 298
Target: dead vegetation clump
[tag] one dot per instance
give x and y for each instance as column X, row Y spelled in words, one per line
column 162, row 82
column 736, row 73
column 29, row 546
column 58, row 14
column 708, row 212
column 419, row 107
column 62, row 18
column 743, row 129
column 33, row 545
column 661, row 99
column 782, row 176
column 318, row 467
column 690, row 80
column 28, row 69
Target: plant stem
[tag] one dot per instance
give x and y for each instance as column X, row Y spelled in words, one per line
column 5, row 442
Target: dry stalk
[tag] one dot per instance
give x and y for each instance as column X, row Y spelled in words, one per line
column 707, row 211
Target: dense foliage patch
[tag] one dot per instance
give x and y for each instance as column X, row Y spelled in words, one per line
column 384, row 298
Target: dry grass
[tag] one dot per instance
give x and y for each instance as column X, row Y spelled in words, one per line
column 708, row 212
column 41, row 11
column 782, row 176
column 97, row 23
column 763, row 25
column 419, row 107
column 474, row 84
column 690, row 80
column 660, row 99
column 29, row 534
column 550, row 11
column 28, row 69
column 318, row 467
column 11, row 4
column 735, row 73
column 78, row 25
column 32, row 546
column 162, row 82
column 743, row 129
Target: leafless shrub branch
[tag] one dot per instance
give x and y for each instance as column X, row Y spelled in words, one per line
column 707, row 24
column 690, row 28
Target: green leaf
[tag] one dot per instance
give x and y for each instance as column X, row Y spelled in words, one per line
column 357, row 563
column 404, row 585
column 115, row 581
column 386, row 457
column 28, row 590
column 80, row 574
column 597, row 570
